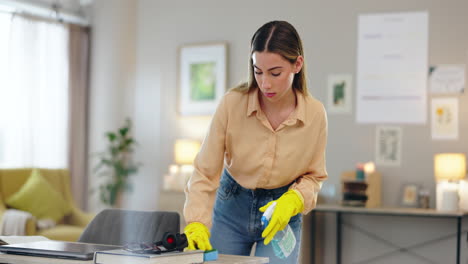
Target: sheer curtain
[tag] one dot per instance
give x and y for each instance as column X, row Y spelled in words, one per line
column 34, row 96
column 5, row 20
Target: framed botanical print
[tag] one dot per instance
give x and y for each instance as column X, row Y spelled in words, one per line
column 339, row 93
column 202, row 78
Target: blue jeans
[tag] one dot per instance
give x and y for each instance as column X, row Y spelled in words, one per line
column 236, row 221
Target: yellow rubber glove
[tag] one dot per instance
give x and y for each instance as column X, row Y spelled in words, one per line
column 288, row 205
column 198, row 236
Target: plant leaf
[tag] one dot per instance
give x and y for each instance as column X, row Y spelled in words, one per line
column 111, row 136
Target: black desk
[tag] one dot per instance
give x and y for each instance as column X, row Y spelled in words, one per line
column 412, row 212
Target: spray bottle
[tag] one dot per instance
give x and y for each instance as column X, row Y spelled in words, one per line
column 284, row 241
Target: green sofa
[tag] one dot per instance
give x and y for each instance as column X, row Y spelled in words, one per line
column 70, row 227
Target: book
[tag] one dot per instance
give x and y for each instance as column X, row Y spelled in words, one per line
column 121, row 256
column 20, row 259
column 8, row 240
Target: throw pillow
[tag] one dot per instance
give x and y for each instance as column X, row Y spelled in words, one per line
column 39, row 197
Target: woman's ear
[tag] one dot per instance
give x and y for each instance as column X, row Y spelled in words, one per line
column 298, row 64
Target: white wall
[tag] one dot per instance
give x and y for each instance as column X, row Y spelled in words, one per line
column 112, row 76
column 147, row 90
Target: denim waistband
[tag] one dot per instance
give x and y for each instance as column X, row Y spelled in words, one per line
column 258, row 191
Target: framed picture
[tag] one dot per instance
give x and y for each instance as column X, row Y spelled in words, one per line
column 388, row 145
column 202, row 78
column 339, row 93
column 409, row 195
column 444, row 118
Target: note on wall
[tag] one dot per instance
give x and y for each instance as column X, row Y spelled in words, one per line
column 444, row 118
column 388, row 145
column 447, row 79
column 392, row 68
column 339, row 93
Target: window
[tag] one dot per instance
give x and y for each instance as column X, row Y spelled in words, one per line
column 33, row 93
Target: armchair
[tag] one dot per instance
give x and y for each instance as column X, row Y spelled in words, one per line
column 67, row 229
column 118, row 227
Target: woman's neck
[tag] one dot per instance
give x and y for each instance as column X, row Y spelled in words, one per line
column 285, row 104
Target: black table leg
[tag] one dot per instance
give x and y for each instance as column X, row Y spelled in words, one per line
column 338, row 238
column 312, row 237
column 458, row 238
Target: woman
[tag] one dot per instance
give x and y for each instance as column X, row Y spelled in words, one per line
column 266, row 143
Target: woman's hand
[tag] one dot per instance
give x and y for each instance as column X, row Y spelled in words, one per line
column 288, row 205
column 198, row 236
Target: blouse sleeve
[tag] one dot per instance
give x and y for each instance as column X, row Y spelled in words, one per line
column 200, row 191
column 310, row 183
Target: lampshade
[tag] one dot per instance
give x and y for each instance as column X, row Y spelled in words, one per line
column 369, row 167
column 185, row 150
column 449, row 166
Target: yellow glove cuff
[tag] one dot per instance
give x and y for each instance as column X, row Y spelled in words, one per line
column 301, row 198
column 196, row 227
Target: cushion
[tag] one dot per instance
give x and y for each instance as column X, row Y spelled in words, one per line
column 63, row 233
column 38, row 197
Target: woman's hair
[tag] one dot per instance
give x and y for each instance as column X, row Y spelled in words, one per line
column 281, row 38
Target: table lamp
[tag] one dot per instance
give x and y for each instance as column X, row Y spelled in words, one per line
column 185, row 151
column 449, row 169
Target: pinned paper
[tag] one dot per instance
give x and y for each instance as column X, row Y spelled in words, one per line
column 445, row 79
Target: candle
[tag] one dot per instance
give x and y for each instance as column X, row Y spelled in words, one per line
column 463, row 194
column 449, row 200
column 173, row 170
column 447, row 196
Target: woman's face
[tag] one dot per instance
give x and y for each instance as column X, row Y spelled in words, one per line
column 274, row 74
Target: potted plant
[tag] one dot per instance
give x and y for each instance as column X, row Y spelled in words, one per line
column 116, row 164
